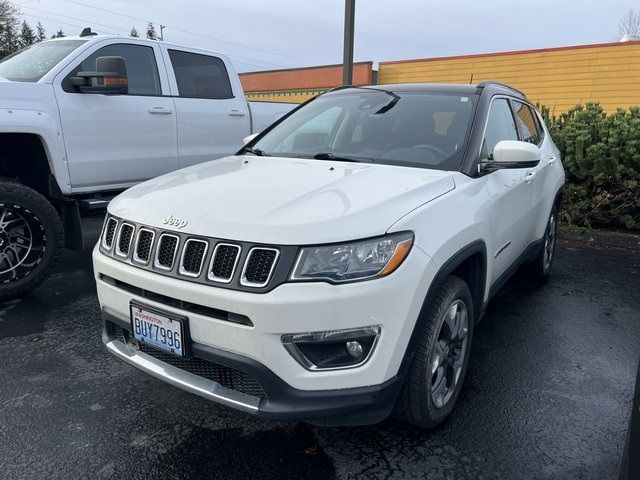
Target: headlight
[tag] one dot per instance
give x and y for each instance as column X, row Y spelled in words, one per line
column 364, row 259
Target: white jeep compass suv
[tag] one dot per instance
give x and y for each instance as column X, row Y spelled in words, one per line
column 334, row 270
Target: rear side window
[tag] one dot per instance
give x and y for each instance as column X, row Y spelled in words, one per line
column 200, row 76
column 500, row 126
column 142, row 69
column 528, row 127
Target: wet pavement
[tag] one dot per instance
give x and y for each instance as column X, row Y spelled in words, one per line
column 548, row 394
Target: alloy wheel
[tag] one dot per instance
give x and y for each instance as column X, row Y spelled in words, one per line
column 22, row 242
column 449, row 353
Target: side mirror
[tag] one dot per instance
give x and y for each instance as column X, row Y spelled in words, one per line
column 248, row 138
column 109, row 78
column 512, row 154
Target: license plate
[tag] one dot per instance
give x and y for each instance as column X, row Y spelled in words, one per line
column 160, row 330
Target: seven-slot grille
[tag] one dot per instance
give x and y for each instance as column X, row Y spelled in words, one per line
column 259, row 267
column 149, row 248
column 144, row 242
column 192, row 257
column 223, row 262
column 124, row 240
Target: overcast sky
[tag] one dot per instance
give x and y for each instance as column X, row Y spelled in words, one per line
column 270, row 34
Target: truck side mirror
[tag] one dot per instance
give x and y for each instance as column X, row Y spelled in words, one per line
column 110, row 77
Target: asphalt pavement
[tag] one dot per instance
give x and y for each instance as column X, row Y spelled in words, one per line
column 548, row 394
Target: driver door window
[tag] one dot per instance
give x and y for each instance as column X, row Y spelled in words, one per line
column 500, row 126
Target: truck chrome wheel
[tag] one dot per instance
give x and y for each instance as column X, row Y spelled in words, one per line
column 549, row 242
column 449, row 353
column 22, row 242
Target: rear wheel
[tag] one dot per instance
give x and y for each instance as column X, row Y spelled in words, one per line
column 541, row 266
column 31, row 239
column 440, row 362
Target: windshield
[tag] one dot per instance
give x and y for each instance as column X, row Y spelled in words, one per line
column 31, row 63
column 427, row 130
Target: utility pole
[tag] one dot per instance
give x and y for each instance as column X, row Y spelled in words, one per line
column 349, row 25
column 162, row 33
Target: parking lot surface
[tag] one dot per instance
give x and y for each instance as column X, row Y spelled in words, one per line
column 548, row 394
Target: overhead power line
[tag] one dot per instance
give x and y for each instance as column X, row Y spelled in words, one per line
column 190, row 33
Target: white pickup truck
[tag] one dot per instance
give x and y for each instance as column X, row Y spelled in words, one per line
column 82, row 118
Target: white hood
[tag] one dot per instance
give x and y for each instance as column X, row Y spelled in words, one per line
column 282, row 200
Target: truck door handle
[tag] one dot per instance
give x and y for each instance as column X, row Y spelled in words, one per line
column 552, row 159
column 160, row 111
column 531, row 174
column 236, row 113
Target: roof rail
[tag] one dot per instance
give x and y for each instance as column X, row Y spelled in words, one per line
column 488, row 83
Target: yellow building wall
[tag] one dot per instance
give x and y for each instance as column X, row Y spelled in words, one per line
column 557, row 78
column 285, row 96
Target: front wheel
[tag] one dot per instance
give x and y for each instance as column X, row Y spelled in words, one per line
column 440, row 362
column 31, row 239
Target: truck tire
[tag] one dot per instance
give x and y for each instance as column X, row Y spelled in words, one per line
column 540, row 267
column 439, row 364
column 31, row 239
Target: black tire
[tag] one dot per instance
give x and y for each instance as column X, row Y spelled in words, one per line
column 540, row 267
column 31, row 239
column 416, row 404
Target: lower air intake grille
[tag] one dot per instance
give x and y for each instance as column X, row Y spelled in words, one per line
column 226, row 376
column 143, row 246
column 110, row 232
column 224, row 262
column 193, row 257
column 166, row 251
column 124, row 242
column 259, row 266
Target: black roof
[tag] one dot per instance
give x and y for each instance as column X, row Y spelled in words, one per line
column 457, row 88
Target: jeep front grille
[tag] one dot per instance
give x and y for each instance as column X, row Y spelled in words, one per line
column 209, row 261
column 259, row 267
column 223, row 262
column 166, row 253
column 124, row 239
column 193, row 257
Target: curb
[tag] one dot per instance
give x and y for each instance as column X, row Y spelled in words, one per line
column 600, row 238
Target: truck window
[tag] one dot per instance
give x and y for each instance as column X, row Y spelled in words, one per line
column 142, row 68
column 32, row 63
column 200, row 76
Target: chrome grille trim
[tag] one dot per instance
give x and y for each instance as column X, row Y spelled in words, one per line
column 136, row 257
column 211, row 276
column 243, row 279
column 181, row 269
column 119, row 251
column 156, row 264
column 107, row 246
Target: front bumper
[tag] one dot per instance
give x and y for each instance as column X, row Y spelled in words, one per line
column 292, row 392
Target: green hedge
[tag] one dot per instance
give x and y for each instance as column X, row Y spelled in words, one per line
column 601, row 157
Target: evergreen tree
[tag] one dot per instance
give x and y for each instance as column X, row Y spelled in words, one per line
column 27, row 36
column 8, row 24
column 151, row 32
column 41, row 34
column 58, row 34
column 134, row 32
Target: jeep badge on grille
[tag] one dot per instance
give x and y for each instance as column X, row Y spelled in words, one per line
column 175, row 222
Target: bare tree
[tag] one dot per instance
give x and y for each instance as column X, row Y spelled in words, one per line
column 629, row 24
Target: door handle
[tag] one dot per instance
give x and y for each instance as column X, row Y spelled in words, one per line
column 236, row 113
column 552, row 159
column 531, row 174
column 160, row 111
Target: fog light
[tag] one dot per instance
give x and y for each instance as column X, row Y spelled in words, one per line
column 354, row 348
column 333, row 349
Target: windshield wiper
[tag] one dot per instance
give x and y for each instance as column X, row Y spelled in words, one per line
column 255, row 151
column 331, row 156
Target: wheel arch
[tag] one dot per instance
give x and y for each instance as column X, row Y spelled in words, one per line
column 470, row 264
